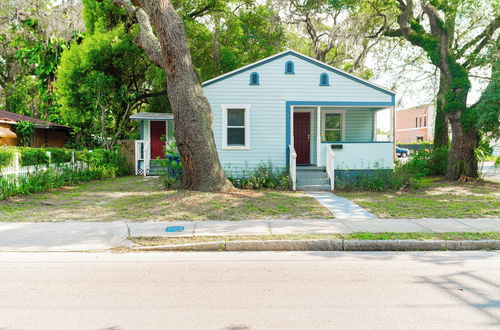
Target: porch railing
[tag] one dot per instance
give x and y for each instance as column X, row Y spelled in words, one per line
column 293, row 166
column 330, row 166
column 141, row 157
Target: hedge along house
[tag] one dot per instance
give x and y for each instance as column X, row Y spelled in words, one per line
column 294, row 112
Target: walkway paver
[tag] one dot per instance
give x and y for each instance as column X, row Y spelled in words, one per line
column 483, row 224
column 222, row 228
column 62, row 236
column 384, row 225
column 283, row 227
column 342, row 208
column 138, row 229
column 80, row 236
column 445, row 225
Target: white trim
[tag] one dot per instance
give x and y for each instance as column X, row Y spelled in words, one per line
column 224, row 108
column 311, row 129
column 318, row 135
column 342, row 122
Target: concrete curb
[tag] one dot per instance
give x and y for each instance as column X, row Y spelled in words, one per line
column 329, row 245
column 206, row 246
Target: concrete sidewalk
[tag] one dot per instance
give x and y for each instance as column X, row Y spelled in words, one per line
column 80, row 236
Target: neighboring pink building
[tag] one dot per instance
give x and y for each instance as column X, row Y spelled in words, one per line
column 415, row 124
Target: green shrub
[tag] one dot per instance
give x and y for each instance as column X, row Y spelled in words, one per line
column 49, row 179
column 59, row 155
column 24, row 131
column 113, row 160
column 33, row 156
column 428, row 162
column 100, row 164
column 376, row 180
column 264, row 176
column 172, row 182
column 6, row 157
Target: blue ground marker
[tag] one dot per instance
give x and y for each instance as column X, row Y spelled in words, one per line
column 171, row 229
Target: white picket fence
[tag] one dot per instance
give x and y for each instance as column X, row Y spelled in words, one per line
column 15, row 171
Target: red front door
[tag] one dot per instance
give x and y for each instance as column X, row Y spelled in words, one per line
column 301, row 135
column 157, row 133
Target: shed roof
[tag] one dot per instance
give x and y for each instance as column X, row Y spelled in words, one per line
column 13, row 118
column 152, row 116
column 305, row 58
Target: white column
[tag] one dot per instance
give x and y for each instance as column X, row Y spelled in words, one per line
column 318, row 136
column 291, row 127
column 393, row 132
column 393, row 124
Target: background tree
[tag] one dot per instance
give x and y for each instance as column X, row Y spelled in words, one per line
column 104, row 78
column 336, row 32
column 32, row 35
column 455, row 36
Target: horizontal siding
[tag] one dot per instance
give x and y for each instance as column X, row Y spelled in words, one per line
column 359, row 125
column 268, row 101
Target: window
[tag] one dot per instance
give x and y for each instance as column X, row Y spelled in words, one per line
column 324, row 80
column 425, row 121
column 333, row 123
column 416, row 121
column 420, row 121
column 236, row 126
column 289, row 67
column 254, row 78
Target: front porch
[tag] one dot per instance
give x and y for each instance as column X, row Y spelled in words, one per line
column 329, row 138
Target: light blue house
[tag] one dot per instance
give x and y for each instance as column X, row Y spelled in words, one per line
column 293, row 111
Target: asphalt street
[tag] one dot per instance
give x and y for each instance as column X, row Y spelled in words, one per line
column 252, row 290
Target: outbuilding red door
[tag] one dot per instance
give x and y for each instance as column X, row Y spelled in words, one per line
column 157, row 131
column 301, row 136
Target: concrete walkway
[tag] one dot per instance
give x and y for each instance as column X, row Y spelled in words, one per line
column 80, row 236
column 341, row 208
column 62, row 236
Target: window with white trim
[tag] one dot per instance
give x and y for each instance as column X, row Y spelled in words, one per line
column 332, row 126
column 236, row 126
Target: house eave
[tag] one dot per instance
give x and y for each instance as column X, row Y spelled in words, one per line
column 152, row 116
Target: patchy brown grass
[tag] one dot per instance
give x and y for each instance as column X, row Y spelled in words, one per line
column 145, row 199
column 437, row 198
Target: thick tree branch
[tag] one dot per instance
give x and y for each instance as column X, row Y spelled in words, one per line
column 486, row 34
column 146, row 39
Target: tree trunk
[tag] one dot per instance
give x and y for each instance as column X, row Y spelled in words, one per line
column 441, row 138
column 192, row 113
column 461, row 158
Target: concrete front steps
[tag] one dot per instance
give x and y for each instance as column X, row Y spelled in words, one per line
column 310, row 178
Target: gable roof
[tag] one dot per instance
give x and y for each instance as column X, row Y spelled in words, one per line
column 305, row 58
column 152, row 116
column 13, row 118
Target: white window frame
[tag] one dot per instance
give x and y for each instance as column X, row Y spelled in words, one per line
column 342, row 123
column 246, row 107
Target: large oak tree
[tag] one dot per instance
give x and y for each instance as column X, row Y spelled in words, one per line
column 163, row 38
column 454, row 38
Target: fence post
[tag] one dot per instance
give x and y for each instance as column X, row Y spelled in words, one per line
column 73, row 160
column 16, row 165
column 49, row 156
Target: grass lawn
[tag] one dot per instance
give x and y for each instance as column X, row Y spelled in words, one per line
column 437, row 198
column 154, row 241
column 135, row 198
